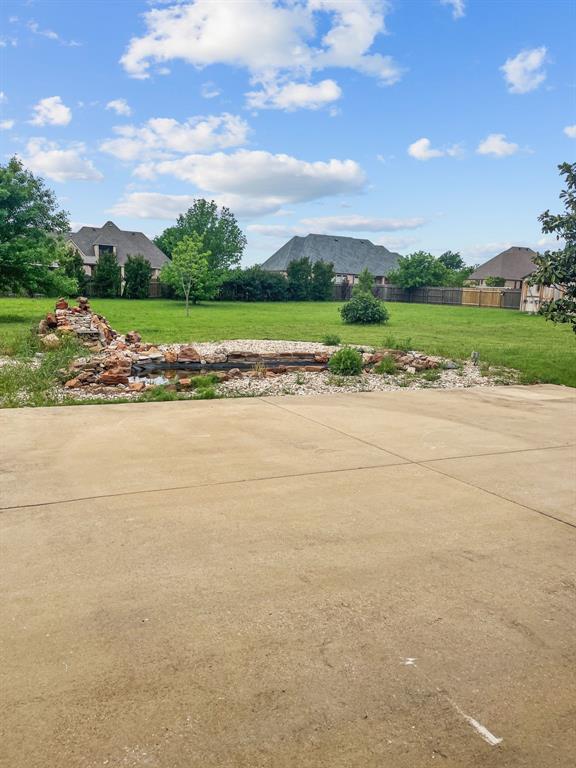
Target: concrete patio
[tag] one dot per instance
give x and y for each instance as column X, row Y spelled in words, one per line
column 352, row 581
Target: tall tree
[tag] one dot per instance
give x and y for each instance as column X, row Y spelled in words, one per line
column 321, row 287
column 29, row 220
column 189, row 271
column 418, row 270
column 299, row 273
column 107, row 277
column 137, row 276
column 452, row 260
column 218, row 228
column 558, row 268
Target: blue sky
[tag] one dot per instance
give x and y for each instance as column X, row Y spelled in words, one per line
column 421, row 125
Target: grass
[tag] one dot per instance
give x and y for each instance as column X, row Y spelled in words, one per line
column 386, row 366
column 26, row 383
column 539, row 350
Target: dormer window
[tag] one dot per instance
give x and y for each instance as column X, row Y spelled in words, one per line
column 102, row 249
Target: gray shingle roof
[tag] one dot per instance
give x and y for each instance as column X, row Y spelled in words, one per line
column 127, row 244
column 513, row 264
column 350, row 255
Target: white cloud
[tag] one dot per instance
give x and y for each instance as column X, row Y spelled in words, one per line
column 3, row 97
column 479, row 253
column 458, row 7
column 163, row 137
column 423, row 150
column 570, row 131
column 120, row 106
column 6, row 125
column 331, row 224
column 496, row 145
column 275, row 230
column 550, row 243
column 209, row 90
column 281, row 45
column 51, row 111
column 48, row 159
column 397, row 244
column 356, row 223
column 152, row 205
column 523, row 73
column 257, row 181
column 291, row 96
column 35, row 28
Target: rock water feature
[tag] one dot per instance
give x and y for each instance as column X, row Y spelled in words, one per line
column 120, row 364
column 126, row 361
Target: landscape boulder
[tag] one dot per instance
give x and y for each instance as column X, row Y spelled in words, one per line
column 188, row 354
column 133, row 337
column 51, row 341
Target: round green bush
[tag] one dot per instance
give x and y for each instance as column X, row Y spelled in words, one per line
column 364, row 309
column 346, row 362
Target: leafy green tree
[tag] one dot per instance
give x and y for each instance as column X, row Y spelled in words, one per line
column 137, row 277
column 189, row 271
column 558, row 268
column 452, row 260
column 58, row 283
column 72, row 266
column 493, row 281
column 29, row 220
column 365, row 283
column 107, row 276
column 322, row 281
column 299, row 273
column 458, row 272
column 222, row 237
column 458, row 278
column 418, row 270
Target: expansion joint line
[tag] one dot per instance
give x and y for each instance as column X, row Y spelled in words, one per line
column 426, row 464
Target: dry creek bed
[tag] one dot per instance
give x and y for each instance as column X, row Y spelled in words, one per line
column 301, row 383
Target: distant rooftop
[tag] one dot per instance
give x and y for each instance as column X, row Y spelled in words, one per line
column 513, row 264
column 350, row 255
column 127, row 244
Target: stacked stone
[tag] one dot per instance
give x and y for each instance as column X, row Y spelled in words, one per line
column 113, row 366
column 411, row 362
column 93, row 329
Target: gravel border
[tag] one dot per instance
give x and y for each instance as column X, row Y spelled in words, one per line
column 297, row 383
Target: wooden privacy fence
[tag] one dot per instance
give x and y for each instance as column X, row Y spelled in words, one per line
column 157, row 290
column 501, row 298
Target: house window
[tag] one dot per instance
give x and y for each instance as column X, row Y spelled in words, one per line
column 102, row 249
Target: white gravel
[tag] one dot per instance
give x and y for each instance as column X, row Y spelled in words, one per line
column 323, row 383
column 260, row 346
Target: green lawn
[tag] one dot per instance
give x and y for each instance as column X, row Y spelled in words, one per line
column 540, row 350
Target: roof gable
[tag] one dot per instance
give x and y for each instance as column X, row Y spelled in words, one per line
column 512, row 264
column 127, row 244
